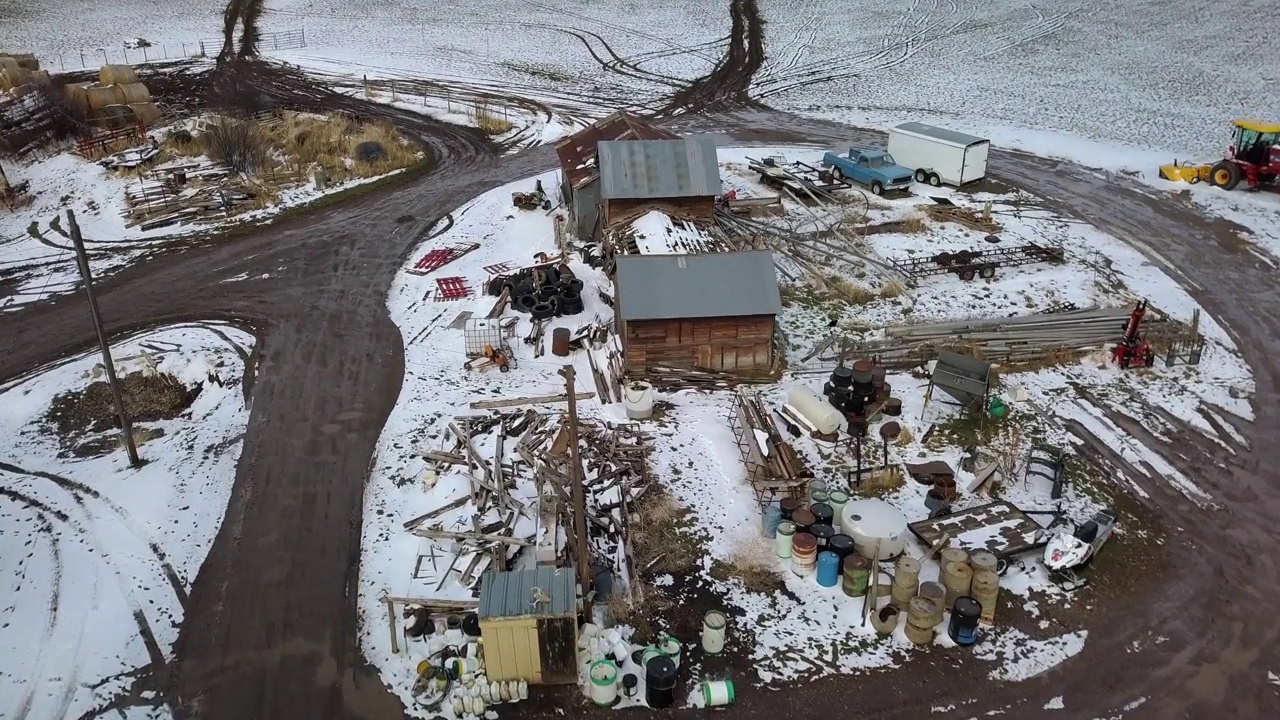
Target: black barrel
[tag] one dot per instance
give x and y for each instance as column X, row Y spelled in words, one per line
column 471, row 625
column 842, row 377
column 803, row 520
column 963, row 627
column 788, row 505
column 841, row 545
column 877, row 376
column 823, row 532
column 660, row 682
column 822, row 513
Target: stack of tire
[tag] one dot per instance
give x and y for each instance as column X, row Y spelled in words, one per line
column 543, row 292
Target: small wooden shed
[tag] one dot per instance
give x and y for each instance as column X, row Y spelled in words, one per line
column 529, row 625
column 712, row 311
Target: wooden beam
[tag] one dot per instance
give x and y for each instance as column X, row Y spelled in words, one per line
column 414, row 522
column 473, row 537
column 533, row 400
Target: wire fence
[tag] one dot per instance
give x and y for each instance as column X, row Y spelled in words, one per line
column 159, row 52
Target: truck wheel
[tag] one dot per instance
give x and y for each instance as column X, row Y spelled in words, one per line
column 988, row 271
column 921, row 175
column 967, row 274
column 877, row 188
column 935, row 180
column 836, row 174
column 1225, row 175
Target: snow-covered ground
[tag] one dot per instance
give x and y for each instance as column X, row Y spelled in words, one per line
column 694, row 448
column 36, row 256
column 98, row 557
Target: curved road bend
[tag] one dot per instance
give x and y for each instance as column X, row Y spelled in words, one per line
column 271, row 633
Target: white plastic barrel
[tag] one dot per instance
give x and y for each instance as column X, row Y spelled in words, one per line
column 637, row 397
column 717, row 692
column 824, row 418
column 713, row 632
column 604, row 682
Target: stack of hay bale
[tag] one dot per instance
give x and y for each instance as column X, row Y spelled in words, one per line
column 20, row 74
column 116, row 100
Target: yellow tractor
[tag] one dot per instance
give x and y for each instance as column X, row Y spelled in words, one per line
column 1254, row 156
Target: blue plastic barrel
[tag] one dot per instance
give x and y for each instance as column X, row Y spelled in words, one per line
column 771, row 516
column 828, row 568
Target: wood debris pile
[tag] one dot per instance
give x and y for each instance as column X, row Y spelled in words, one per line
column 183, row 192
column 670, row 379
column 964, row 216
column 773, row 466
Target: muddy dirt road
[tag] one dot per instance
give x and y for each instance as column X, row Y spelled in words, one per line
column 270, row 630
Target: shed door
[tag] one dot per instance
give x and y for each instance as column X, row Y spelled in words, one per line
column 558, row 650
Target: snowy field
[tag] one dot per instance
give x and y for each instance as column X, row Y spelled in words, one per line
column 695, row 453
column 98, row 557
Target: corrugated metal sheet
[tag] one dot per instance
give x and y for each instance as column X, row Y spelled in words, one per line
column 709, row 285
column 943, row 134
column 510, row 594
column 687, row 167
column 577, row 152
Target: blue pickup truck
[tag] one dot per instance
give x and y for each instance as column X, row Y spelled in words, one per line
column 873, row 168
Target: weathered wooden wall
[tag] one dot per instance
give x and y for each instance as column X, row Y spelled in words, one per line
column 735, row 344
column 696, row 209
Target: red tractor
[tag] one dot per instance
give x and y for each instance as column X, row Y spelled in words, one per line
column 1133, row 351
column 1254, row 157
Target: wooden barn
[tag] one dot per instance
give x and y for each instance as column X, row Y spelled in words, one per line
column 529, row 625
column 714, row 311
column 678, row 177
column 579, row 171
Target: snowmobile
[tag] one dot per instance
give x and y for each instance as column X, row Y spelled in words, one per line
column 1068, row 552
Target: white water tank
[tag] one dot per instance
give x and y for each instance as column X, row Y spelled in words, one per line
column 824, row 418
column 637, row 397
column 871, row 520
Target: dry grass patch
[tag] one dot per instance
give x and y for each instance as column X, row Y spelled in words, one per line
column 846, row 289
column 754, row 562
column 892, row 289
column 905, row 437
column 491, row 120
column 344, row 148
column 661, row 541
column 915, row 222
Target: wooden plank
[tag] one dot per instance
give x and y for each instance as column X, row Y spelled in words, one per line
column 414, row 522
column 472, row 537
column 532, row 400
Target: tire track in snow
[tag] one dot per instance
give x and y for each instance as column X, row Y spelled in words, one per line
column 1043, row 27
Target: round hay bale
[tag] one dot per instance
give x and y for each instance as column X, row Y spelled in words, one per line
column 114, row 117
column 13, row 77
column 9, row 63
column 41, row 77
column 117, row 75
column 146, row 112
column 100, row 96
column 27, row 61
column 370, row 151
column 77, row 96
column 135, row 93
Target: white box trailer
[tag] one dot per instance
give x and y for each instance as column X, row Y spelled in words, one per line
column 937, row 155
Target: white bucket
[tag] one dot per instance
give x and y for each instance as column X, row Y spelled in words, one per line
column 672, row 648
column 604, row 682
column 637, row 397
column 714, row 624
column 717, row 692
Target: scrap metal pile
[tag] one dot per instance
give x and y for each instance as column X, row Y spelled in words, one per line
column 1011, row 340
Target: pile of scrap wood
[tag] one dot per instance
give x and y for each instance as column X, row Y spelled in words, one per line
column 482, row 526
column 33, row 122
column 183, row 192
column 613, row 459
column 944, row 210
column 669, row 379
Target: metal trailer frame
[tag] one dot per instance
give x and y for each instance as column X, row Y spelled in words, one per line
column 928, row 531
column 802, row 179
column 971, row 264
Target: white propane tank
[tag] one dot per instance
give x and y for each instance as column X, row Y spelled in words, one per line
column 817, row 411
column 637, row 397
column 874, row 520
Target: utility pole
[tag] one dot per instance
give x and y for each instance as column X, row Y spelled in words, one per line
column 126, row 428
column 579, row 496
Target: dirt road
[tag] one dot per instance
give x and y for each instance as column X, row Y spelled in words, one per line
column 270, row 630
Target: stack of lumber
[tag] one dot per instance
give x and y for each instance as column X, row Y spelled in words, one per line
column 772, row 463
column 963, row 216
column 185, row 192
column 669, row 379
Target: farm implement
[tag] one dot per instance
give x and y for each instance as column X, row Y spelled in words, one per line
column 1253, row 157
column 970, row 264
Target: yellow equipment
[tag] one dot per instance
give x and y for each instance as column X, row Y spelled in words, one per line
column 1185, row 173
column 1254, row 157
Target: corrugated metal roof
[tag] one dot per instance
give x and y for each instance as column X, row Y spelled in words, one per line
column 510, row 594
column 943, row 134
column 578, row 151
column 687, row 167
column 667, row 287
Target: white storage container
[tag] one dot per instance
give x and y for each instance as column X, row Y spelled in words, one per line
column 824, row 418
column 480, row 332
column 873, row 520
column 937, row 155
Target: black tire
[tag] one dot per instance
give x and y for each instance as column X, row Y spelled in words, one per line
column 987, row 271
column 570, row 302
column 993, row 239
column 877, row 188
column 547, row 292
column 922, row 175
column 967, row 274
column 575, row 285
column 837, row 174
column 524, row 303
column 1002, row 566
column 935, row 180
column 497, row 285
column 542, row 311
column 557, row 305
column 1225, row 175
column 524, row 287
